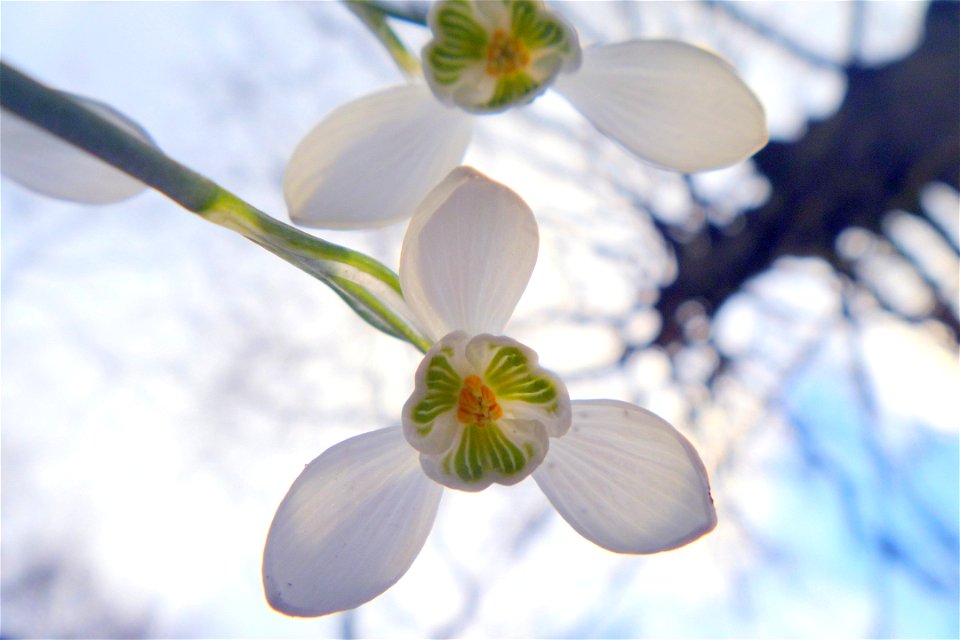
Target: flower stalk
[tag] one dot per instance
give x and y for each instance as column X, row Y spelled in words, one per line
column 414, row 13
column 374, row 17
column 64, row 117
column 367, row 286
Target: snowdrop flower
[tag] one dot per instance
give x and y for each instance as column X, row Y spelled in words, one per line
column 371, row 161
column 482, row 411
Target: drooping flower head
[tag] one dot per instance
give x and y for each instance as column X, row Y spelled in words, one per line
column 482, row 411
column 371, row 161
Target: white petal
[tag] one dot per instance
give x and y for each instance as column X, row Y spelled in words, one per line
column 626, row 480
column 350, row 526
column 468, row 255
column 372, row 160
column 47, row 164
column 674, row 105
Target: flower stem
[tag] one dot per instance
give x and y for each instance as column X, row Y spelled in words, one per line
column 62, row 116
column 371, row 289
column 374, row 16
column 367, row 286
column 414, row 13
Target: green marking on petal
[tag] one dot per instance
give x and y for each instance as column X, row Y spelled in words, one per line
column 443, row 386
column 537, row 28
column 483, row 449
column 511, row 89
column 490, row 56
column 483, row 411
column 464, row 42
column 510, row 377
column 462, row 33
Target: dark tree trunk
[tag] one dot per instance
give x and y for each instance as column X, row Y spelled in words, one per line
column 896, row 131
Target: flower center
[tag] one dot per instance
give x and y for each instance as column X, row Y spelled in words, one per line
column 482, row 411
column 477, row 404
column 505, row 54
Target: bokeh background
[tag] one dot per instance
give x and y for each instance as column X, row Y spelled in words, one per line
column 796, row 316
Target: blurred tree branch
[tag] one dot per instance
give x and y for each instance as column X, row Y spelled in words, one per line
column 896, row 131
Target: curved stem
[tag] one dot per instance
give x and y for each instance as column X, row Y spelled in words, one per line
column 375, row 18
column 59, row 114
column 414, row 13
column 367, row 286
column 370, row 288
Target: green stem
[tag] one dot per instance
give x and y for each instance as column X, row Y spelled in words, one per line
column 406, row 11
column 370, row 288
column 375, row 18
column 62, row 116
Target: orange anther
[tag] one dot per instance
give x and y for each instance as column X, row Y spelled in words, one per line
column 476, row 403
column 505, row 54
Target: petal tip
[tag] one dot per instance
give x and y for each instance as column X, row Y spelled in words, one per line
column 648, row 490
column 274, row 596
column 314, row 561
column 674, row 105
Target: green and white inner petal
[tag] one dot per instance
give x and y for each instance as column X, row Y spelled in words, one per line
column 520, row 386
column 490, row 55
column 482, row 411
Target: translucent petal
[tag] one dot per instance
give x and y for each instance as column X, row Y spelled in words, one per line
column 47, row 164
column 674, row 105
column 626, row 480
column 468, row 255
column 372, row 160
column 350, row 526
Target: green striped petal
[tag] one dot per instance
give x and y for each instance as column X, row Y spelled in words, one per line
column 490, row 55
column 482, row 411
column 505, row 452
column 523, row 388
column 482, row 449
column 429, row 416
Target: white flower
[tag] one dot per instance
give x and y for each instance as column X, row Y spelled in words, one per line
column 482, row 411
column 371, row 161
